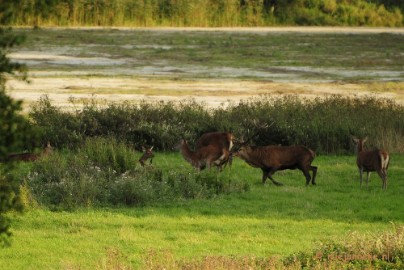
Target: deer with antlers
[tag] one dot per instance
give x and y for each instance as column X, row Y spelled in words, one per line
column 27, row 156
column 369, row 161
column 147, row 154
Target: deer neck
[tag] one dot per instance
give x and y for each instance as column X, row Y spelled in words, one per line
column 360, row 147
column 187, row 153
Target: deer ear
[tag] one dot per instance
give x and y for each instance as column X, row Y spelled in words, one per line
column 151, row 148
column 365, row 139
column 143, row 149
column 354, row 139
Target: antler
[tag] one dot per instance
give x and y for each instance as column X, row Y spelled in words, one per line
column 258, row 127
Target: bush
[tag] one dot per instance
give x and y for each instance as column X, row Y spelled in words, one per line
column 104, row 172
column 324, row 124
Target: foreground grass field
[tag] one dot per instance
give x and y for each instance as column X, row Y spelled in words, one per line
column 262, row 222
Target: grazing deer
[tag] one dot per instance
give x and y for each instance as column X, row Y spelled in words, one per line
column 206, row 156
column 369, row 161
column 147, row 154
column 275, row 158
column 222, row 140
column 26, row 156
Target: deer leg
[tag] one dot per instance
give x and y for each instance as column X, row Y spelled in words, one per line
column 270, row 173
column 230, row 161
column 314, row 170
column 307, row 175
column 383, row 176
column 264, row 176
column 367, row 178
column 360, row 175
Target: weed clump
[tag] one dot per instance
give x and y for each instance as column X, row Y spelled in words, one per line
column 384, row 251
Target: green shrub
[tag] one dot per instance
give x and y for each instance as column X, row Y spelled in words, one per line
column 324, row 124
column 104, row 172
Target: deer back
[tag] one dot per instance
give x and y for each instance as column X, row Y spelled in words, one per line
column 220, row 139
column 276, row 156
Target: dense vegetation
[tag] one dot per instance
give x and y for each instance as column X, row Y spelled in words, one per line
column 15, row 130
column 104, row 172
column 101, row 169
column 324, row 124
column 209, row 13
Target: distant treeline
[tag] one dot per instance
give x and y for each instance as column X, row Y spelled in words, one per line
column 208, row 13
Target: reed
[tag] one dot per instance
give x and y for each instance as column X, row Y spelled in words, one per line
column 206, row 13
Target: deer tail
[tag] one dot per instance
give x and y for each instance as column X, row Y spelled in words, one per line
column 384, row 160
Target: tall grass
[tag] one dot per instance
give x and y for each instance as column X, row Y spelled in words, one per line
column 324, row 124
column 358, row 251
column 207, row 13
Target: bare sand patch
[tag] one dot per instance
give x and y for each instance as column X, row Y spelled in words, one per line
column 212, row 93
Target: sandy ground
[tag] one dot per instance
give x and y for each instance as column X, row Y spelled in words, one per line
column 210, row 93
column 153, row 83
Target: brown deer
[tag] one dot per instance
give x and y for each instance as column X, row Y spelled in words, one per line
column 275, row 158
column 206, row 156
column 27, row 156
column 147, row 154
column 369, row 161
column 222, row 140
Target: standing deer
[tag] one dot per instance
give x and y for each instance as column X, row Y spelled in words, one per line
column 222, row 140
column 147, row 154
column 206, row 156
column 275, row 158
column 369, row 161
column 26, row 156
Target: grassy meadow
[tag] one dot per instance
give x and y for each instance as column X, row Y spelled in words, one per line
column 78, row 215
column 263, row 222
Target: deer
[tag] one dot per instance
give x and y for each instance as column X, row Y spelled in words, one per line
column 369, row 161
column 28, row 157
column 147, row 154
column 222, row 140
column 206, row 156
column 276, row 158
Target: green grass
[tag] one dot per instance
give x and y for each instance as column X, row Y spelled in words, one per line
column 265, row 221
